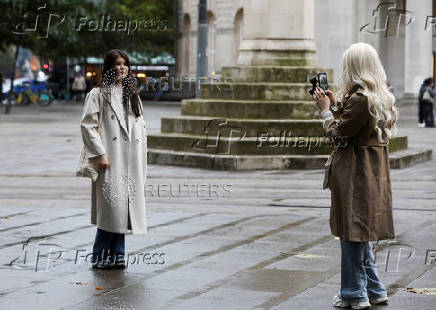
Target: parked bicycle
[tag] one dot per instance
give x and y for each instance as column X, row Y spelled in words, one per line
column 33, row 92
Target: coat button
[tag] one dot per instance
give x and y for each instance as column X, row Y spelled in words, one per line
column 137, row 140
column 113, row 116
column 125, row 139
column 114, row 138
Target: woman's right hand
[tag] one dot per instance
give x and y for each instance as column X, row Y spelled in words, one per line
column 101, row 161
column 331, row 96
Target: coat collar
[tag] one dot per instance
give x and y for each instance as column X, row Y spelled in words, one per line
column 344, row 101
column 106, row 91
column 353, row 90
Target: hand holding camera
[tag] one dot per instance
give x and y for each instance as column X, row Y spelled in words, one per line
column 320, row 92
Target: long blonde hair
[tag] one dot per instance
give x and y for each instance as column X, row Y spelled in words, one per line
column 361, row 65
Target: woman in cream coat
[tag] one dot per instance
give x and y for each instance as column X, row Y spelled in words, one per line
column 118, row 198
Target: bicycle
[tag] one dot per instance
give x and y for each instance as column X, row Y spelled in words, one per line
column 33, row 92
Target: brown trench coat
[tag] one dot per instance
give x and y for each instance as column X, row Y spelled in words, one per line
column 359, row 181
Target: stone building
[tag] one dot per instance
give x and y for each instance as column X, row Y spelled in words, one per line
column 225, row 26
column 260, row 114
column 401, row 31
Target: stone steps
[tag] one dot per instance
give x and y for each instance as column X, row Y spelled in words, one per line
column 251, row 127
column 409, row 157
column 399, row 159
column 254, row 109
column 264, row 117
column 237, row 144
column 256, row 91
column 273, row 74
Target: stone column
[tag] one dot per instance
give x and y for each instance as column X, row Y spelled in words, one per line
column 392, row 44
column 278, row 32
column 418, row 60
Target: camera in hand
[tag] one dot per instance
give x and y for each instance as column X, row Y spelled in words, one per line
column 320, row 80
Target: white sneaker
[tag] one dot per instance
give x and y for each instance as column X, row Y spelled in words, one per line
column 339, row 302
column 380, row 300
column 421, row 125
column 360, row 305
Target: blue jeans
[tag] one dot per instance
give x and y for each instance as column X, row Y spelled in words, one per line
column 108, row 247
column 359, row 278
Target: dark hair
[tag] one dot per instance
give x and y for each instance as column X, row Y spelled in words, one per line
column 428, row 81
column 108, row 77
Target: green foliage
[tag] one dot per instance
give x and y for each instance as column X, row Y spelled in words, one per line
column 63, row 39
column 6, row 59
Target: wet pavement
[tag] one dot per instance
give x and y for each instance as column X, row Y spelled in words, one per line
column 216, row 240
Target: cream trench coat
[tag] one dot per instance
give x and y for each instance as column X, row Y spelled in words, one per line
column 118, row 195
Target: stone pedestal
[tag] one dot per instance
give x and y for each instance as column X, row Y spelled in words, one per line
column 278, row 32
column 260, row 115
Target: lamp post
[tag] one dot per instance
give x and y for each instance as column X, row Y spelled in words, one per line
column 202, row 45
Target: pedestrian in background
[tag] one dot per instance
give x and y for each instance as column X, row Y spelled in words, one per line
column 359, row 177
column 62, row 90
column 78, row 87
column 161, row 91
column 120, row 151
column 425, row 101
column 89, row 84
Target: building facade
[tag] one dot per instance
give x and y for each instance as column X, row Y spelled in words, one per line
column 225, row 29
column 400, row 30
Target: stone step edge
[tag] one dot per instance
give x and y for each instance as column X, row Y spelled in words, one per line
column 290, row 84
column 398, row 160
column 202, row 136
column 249, row 101
column 276, row 66
column 242, row 120
column 263, row 120
column 409, row 157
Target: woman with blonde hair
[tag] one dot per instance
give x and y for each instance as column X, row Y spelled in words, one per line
column 359, row 176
